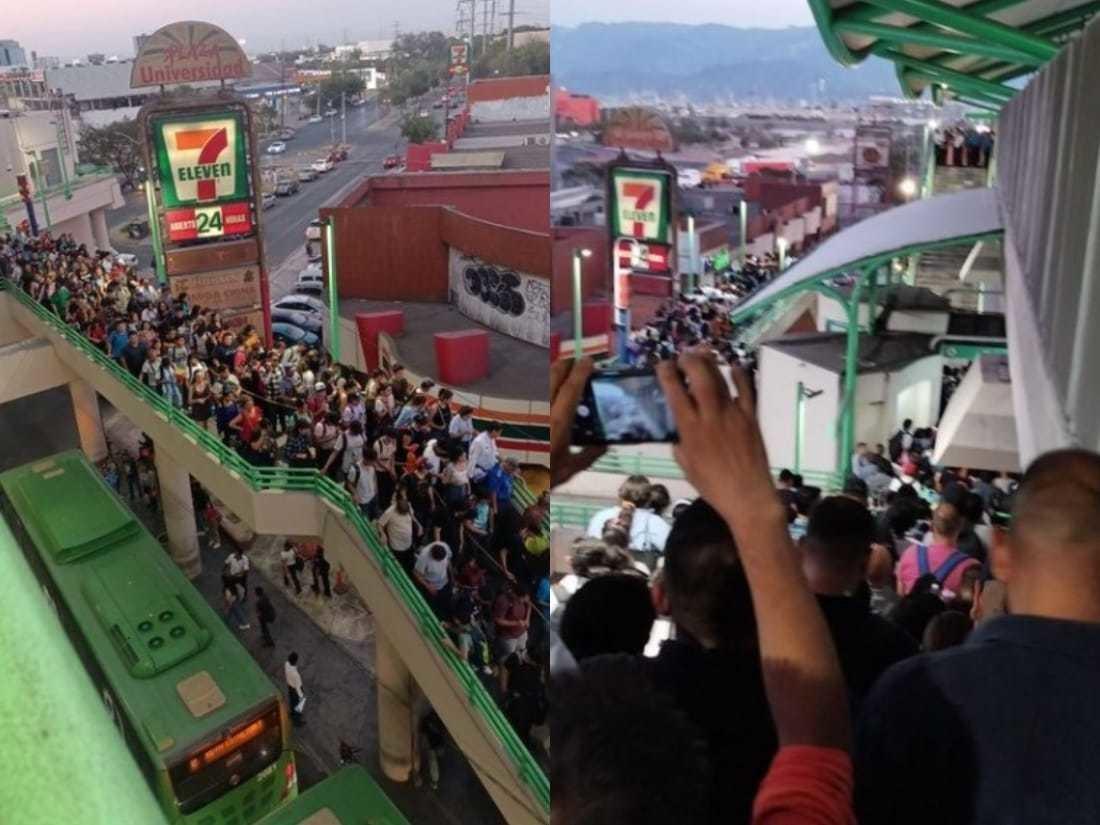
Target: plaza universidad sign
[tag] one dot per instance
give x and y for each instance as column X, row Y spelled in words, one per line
column 201, row 158
column 223, row 289
column 189, row 51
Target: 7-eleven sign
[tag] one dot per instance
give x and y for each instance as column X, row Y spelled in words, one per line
column 640, row 205
column 201, row 160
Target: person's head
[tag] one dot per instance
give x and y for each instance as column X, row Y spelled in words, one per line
column 855, row 488
column 356, row 427
column 592, row 557
column 658, row 498
column 948, row 629
column 494, row 429
column 1049, row 558
column 837, row 545
column 438, row 551
column 880, row 568
column 861, row 448
column 259, row 591
column 510, row 466
column 703, row 587
column 613, row 732
column 292, row 658
column 907, row 424
column 947, row 523
column 635, row 491
column 465, row 412
column 786, row 478
column 614, row 535
column 610, row 614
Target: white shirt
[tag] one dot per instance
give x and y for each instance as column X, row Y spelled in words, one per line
column 353, row 450
column 432, row 571
column 398, row 528
column 238, row 566
column 293, row 677
column 461, row 428
column 366, row 483
column 483, row 455
column 648, row 531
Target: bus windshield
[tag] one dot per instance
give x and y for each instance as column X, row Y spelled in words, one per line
column 215, row 768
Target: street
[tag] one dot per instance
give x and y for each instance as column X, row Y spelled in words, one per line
column 284, row 224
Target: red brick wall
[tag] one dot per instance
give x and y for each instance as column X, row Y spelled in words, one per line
column 516, row 248
column 581, row 109
column 513, row 198
column 418, row 156
column 503, row 88
column 594, row 276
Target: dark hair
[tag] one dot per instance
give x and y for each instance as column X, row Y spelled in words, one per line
column 259, row 591
column 495, row 427
column 613, row 732
column 439, row 552
column 786, row 476
column 706, row 585
column 948, row 629
column 592, row 557
column 658, row 498
column 907, row 423
column 292, row 658
column 635, row 489
column 913, row 613
column 609, row 614
column 841, row 531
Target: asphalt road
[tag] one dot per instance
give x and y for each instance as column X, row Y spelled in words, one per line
column 284, row 224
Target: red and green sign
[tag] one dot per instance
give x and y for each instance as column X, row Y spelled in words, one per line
column 201, row 159
column 209, row 221
column 640, row 204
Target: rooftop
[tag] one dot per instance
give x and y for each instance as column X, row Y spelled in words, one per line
column 877, row 353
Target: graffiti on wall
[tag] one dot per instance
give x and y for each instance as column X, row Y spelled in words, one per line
column 511, row 302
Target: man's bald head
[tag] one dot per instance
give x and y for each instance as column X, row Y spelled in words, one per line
column 1058, row 502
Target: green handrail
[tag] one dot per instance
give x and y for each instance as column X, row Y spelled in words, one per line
column 660, row 467
column 312, row 481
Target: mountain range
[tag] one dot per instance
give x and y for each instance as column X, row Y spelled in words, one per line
column 709, row 63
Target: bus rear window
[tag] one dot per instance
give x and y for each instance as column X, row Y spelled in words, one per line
column 217, row 767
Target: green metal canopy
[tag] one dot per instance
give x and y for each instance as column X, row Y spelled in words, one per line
column 965, row 50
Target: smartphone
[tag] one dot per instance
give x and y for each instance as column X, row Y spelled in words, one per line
column 623, row 406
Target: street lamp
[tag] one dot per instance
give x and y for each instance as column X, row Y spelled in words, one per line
column 907, row 187
column 781, row 245
column 578, row 323
column 813, row 146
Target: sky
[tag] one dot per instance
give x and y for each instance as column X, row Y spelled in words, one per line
column 74, row 28
column 744, row 13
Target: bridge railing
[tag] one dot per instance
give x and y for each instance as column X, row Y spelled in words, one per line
column 315, row 482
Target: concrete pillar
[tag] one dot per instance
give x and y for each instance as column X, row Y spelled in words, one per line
column 395, row 710
column 89, row 424
column 99, row 230
column 179, row 513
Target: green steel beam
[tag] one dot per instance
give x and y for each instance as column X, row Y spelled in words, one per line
column 937, row 39
column 948, row 77
column 851, row 377
column 966, row 22
column 865, row 12
column 980, row 104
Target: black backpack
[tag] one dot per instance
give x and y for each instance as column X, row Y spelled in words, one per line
column 896, row 446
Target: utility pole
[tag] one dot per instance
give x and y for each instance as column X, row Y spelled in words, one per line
column 343, row 118
column 485, row 27
column 511, row 24
column 493, row 17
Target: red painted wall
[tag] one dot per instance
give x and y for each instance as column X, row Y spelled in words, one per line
column 418, row 156
column 518, row 198
column 594, row 276
column 581, row 109
column 503, row 88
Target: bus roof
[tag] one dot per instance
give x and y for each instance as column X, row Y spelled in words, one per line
column 171, row 660
column 348, row 797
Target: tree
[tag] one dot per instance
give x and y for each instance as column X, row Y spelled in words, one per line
column 117, row 145
column 416, row 129
column 346, row 83
column 530, row 58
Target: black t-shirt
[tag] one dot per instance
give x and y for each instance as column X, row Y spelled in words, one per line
column 722, row 692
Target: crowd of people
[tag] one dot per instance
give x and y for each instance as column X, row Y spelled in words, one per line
column 964, row 145
column 919, row 655
column 436, row 488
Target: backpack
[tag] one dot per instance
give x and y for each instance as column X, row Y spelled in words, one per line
column 896, row 446
column 945, row 569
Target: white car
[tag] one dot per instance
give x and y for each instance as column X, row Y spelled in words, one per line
column 330, row 113
column 322, row 165
column 424, row 113
column 302, row 303
column 268, row 200
column 311, row 280
column 313, row 231
column 276, row 148
column 315, row 119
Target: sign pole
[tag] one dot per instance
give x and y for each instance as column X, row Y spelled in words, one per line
column 744, row 218
column 42, row 191
column 333, row 292
column 154, row 231
column 578, row 321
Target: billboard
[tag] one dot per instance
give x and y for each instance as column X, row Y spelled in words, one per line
column 640, row 204
column 872, row 149
column 189, row 51
column 201, row 159
column 220, row 289
column 215, row 221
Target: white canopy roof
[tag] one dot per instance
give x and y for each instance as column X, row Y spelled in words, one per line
column 978, row 428
column 896, row 231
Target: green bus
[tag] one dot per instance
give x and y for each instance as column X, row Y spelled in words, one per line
column 207, row 728
column 348, row 797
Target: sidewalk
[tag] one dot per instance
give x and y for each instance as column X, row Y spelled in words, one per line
column 337, row 670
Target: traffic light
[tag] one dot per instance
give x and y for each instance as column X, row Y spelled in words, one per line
column 24, row 188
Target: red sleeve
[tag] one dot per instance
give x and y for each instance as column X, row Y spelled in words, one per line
column 806, row 785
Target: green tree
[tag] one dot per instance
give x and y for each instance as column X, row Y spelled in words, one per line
column 117, row 145
column 416, row 129
column 346, row 83
column 530, row 58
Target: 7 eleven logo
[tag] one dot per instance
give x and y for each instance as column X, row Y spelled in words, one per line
column 202, row 159
column 640, row 206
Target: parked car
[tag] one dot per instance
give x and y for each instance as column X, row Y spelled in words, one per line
column 303, row 320
column 287, row 134
column 313, row 231
column 310, row 280
column 306, row 173
column 138, row 228
column 315, row 119
column 268, row 200
column 323, row 165
column 276, row 148
column 424, row 113
column 286, row 186
column 438, row 104
column 293, row 335
column 391, row 162
column 302, row 303
column 331, row 113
